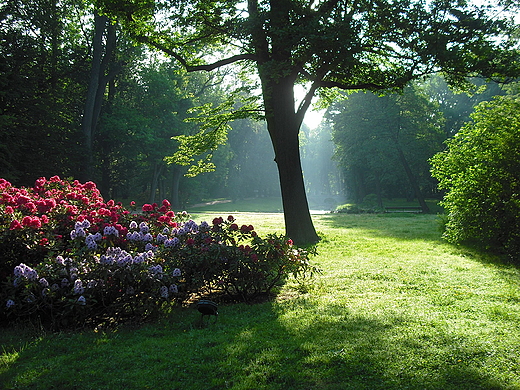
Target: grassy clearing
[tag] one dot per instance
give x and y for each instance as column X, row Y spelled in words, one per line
column 395, row 308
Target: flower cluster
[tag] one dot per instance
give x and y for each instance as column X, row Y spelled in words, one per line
column 114, row 264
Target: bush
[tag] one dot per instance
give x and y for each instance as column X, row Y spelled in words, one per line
column 84, row 261
column 480, row 172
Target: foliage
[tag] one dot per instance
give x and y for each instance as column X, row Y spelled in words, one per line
column 378, row 137
column 93, row 261
column 226, row 257
column 480, row 172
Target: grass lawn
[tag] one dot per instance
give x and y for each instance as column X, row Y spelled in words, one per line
column 394, row 308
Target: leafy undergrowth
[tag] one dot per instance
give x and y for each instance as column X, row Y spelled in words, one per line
column 394, row 308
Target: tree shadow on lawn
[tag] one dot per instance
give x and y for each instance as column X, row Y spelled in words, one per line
column 292, row 344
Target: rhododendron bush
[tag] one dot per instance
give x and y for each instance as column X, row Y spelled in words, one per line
column 69, row 258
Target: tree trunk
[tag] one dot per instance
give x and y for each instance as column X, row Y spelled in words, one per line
column 411, row 178
column 154, row 185
column 283, row 128
column 103, row 47
column 177, row 171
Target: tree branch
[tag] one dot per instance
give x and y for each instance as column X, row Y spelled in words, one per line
column 218, row 64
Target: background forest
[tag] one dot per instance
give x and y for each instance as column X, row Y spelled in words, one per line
column 79, row 99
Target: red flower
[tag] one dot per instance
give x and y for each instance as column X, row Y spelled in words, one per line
column 147, row 207
column 132, row 203
column 230, row 218
column 44, row 241
column 15, row 225
column 290, row 242
column 26, row 221
column 9, row 210
column 190, row 241
column 233, row 227
column 217, row 221
column 164, row 218
column 166, row 203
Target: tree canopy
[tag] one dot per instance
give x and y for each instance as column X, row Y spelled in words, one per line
column 347, row 44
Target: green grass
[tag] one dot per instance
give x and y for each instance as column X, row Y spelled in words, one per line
column 394, row 308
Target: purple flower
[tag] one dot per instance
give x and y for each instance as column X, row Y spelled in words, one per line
column 166, row 231
column 147, row 237
column 171, row 243
column 65, row 282
column 19, row 270
column 176, row 272
column 82, row 301
column 78, row 287
column 143, row 227
column 164, row 292
column 156, row 270
column 44, row 282
column 55, row 287
column 173, row 289
column 73, row 235
column 10, row 303
column 161, row 238
column 60, row 260
column 110, row 231
column 133, row 225
column 80, row 232
column 139, row 258
column 90, row 241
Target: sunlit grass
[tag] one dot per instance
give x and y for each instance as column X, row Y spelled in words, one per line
column 395, row 307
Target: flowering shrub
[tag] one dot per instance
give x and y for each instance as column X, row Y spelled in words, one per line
column 87, row 261
column 227, row 258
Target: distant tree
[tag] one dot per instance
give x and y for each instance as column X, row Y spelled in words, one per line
column 351, row 45
column 387, row 141
column 456, row 106
column 480, row 172
column 43, row 66
column 147, row 107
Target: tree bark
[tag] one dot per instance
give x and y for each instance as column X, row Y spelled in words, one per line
column 102, row 51
column 283, row 127
column 411, row 179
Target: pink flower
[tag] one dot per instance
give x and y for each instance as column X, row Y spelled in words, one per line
column 15, row 225
column 132, row 203
column 9, row 210
column 26, row 221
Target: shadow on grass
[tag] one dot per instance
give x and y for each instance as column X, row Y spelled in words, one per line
column 293, row 344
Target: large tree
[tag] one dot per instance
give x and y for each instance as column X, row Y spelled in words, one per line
column 347, row 44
